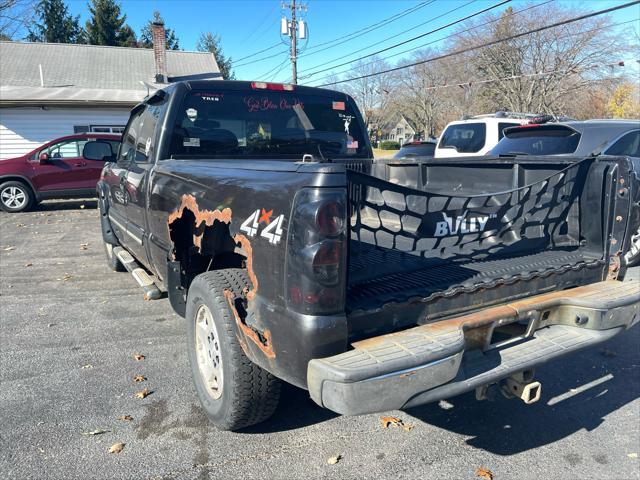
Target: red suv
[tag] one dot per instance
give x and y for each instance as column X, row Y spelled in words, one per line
column 68, row 167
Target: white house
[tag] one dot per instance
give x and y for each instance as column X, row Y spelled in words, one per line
column 48, row 90
column 398, row 130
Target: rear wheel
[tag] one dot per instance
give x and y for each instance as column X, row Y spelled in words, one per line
column 234, row 392
column 15, row 196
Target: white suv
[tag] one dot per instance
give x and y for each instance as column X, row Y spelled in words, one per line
column 477, row 135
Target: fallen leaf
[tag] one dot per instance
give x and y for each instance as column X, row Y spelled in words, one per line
column 143, row 393
column 97, row 431
column 395, row 422
column 632, row 455
column 335, row 459
column 116, row 448
column 139, row 378
column 87, row 366
column 484, row 473
column 82, row 206
column 84, row 246
column 28, row 264
column 9, row 248
column 126, row 418
column 139, row 356
column 67, row 277
column 50, row 325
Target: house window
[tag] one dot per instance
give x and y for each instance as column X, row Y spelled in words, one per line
column 106, row 128
column 98, row 128
column 399, row 131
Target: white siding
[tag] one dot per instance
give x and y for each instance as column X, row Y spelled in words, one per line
column 23, row 129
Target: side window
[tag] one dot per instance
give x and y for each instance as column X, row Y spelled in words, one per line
column 502, row 126
column 628, row 145
column 65, row 149
column 128, row 146
column 146, row 135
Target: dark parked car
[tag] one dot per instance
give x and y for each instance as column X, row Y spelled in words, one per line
column 590, row 137
column 253, row 207
column 67, row 167
column 424, row 148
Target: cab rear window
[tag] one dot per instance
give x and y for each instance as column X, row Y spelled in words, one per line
column 464, row 137
column 266, row 124
column 538, row 140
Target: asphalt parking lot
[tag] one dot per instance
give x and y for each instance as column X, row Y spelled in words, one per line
column 69, row 330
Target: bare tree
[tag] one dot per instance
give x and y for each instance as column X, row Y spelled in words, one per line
column 15, row 17
column 419, row 97
column 540, row 72
column 372, row 94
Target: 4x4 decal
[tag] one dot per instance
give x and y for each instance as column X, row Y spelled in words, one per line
column 272, row 231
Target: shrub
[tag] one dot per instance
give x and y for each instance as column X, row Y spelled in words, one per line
column 389, row 145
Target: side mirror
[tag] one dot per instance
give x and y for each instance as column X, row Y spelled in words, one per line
column 43, row 158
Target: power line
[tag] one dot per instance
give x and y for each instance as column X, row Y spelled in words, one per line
column 382, row 22
column 526, row 75
column 450, row 24
column 537, row 5
column 367, row 29
column 488, row 44
column 257, row 53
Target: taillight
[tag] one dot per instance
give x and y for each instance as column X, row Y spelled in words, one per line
column 317, row 252
column 330, row 218
column 278, row 87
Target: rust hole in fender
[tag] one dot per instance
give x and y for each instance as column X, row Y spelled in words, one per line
column 201, row 241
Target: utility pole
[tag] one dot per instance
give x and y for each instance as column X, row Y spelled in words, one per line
column 294, row 29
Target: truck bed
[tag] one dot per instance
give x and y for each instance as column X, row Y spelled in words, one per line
column 421, row 231
column 381, row 276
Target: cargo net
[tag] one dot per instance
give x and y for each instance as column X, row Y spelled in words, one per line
column 544, row 214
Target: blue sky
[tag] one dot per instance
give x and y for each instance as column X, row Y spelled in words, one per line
column 247, row 26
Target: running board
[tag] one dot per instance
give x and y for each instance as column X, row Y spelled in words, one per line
column 151, row 291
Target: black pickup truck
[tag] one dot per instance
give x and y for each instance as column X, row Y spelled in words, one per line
column 376, row 285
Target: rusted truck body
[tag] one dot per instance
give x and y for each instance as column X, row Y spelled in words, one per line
column 375, row 285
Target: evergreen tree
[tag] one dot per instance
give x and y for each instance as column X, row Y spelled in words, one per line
column 146, row 36
column 56, row 24
column 107, row 25
column 208, row 42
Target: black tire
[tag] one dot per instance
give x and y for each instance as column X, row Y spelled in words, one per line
column 249, row 394
column 16, row 196
column 112, row 261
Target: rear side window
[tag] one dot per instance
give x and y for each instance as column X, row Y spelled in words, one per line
column 464, row 137
column 128, row 148
column 502, row 126
column 628, row 145
column 147, row 128
column 538, row 140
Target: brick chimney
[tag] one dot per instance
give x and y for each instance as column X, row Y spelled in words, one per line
column 159, row 51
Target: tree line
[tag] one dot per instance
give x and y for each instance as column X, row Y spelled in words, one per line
column 575, row 70
column 50, row 21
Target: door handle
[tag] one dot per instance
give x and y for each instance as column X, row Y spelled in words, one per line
column 80, row 164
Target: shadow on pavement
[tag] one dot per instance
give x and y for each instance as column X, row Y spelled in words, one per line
column 507, row 427
column 53, row 205
column 295, row 410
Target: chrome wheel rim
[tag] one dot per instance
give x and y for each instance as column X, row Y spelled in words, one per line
column 208, row 352
column 13, row 197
